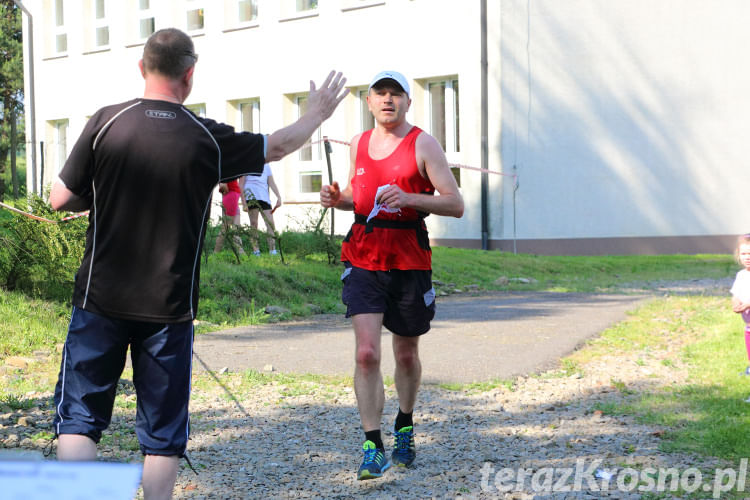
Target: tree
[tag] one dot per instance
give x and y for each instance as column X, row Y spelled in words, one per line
column 11, row 89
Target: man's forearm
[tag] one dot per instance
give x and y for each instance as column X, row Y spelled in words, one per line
column 291, row 138
column 447, row 204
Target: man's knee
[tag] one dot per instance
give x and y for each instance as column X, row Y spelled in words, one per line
column 368, row 356
column 407, row 358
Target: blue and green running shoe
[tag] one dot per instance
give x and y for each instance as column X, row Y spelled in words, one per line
column 374, row 463
column 404, row 451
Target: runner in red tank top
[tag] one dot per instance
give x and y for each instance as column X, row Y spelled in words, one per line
column 395, row 170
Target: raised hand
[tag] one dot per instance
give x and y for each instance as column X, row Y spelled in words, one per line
column 325, row 99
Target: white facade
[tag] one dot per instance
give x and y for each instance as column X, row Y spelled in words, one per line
column 622, row 120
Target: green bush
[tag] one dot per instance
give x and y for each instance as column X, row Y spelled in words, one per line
column 313, row 242
column 40, row 258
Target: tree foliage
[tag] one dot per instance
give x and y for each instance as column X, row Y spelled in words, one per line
column 11, row 86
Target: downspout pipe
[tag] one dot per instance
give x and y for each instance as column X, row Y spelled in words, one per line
column 484, row 130
column 31, row 113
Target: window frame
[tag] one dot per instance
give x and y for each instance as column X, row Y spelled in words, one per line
column 316, row 179
column 58, row 144
column 100, row 23
column 451, row 93
column 59, row 28
column 145, row 14
column 291, row 10
column 198, row 108
column 366, row 119
column 254, row 12
column 316, row 137
column 299, row 9
column 254, row 105
column 195, row 6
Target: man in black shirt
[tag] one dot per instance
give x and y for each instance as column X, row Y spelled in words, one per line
column 146, row 169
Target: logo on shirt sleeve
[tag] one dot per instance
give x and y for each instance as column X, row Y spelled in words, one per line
column 164, row 115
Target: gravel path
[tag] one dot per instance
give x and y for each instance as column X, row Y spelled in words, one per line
column 300, row 440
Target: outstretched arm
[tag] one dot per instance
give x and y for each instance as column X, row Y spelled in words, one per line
column 320, row 106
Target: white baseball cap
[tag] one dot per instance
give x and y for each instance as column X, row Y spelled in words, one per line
column 393, row 75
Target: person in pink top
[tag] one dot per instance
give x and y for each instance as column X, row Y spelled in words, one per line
column 230, row 198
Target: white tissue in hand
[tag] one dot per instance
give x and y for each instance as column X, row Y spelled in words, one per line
column 377, row 207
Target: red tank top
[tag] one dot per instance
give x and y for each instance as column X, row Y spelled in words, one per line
column 391, row 240
column 234, row 186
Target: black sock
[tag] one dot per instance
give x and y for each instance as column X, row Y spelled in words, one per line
column 403, row 420
column 374, row 436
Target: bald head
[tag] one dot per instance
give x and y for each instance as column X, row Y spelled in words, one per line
column 169, row 52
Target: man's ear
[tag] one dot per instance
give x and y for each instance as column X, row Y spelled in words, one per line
column 189, row 73
column 140, row 66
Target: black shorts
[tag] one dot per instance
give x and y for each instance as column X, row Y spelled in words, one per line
column 93, row 360
column 257, row 204
column 406, row 298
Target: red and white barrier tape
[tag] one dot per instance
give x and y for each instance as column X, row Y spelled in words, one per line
column 325, row 139
column 42, row 219
column 457, row 165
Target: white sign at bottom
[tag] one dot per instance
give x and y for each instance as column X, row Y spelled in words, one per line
column 43, row 480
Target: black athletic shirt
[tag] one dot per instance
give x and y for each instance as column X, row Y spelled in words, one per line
column 149, row 168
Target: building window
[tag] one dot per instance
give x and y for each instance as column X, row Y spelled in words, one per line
column 366, row 120
column 304, row 5
column 57, row 149
column 443, row 107
column 194, row 16
column 310, row 182
column 309, row 151
column 146, row 24
column 249, row 116
column 197, row 109
column 61, row 37
column 444, row 117
column 101, row 26
column 247, row 10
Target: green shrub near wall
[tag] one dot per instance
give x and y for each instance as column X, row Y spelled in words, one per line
column 40, row 258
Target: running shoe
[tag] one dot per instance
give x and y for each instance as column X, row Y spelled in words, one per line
column 745, row 373
column 404, row 451
column 375, row 462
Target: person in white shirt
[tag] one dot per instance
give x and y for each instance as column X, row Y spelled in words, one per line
column 741, row 292
column 257, row 198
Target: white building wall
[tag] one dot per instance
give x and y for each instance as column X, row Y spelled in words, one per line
column 626, row 118
column 273, row 59
column 622, row 120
